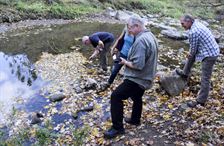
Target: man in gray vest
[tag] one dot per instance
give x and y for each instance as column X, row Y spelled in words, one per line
column 140, row 70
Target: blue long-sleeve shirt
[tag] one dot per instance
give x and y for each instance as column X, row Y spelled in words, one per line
column 105, row 37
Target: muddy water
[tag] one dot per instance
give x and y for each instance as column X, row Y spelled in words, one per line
column 60, row 38
column 54, row 39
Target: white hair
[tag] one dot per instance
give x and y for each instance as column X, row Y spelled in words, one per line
column 136, row 20
column 84, row 39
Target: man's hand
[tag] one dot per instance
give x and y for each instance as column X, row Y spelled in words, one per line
column 100, row 45
column 123, row 61
column 189, row 55
column 95, row 53
column 113, row 51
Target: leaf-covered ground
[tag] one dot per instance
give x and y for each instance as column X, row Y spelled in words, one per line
column 165, row 120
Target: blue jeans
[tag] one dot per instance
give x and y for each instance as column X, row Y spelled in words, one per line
column 116, row 68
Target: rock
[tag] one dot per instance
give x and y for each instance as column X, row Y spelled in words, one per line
column 124, row 15
column 57, row 97
column 221, row 47
column 180, row 51
column 103, row 86
column 172, row 22
column 75, row 114
column 174, row 34
column 172, row 83
column 204, row 22
column 163, row 26
column 217, row 35
column 161, row 68
column 35, row 119
column 110, row 12
column 90, row 84
column 78, row 89
column 87, row 108
column 39, row 115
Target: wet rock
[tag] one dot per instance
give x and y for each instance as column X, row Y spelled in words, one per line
column 75, row 114
column 35, row 119
column 90, row 84
column 57, row 97
column 88, row 108
column 39, row 115
column 172, row 83
column 78, row 89
column 173, row 34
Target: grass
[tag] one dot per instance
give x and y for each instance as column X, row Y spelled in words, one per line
column 15, row 140
column 174, row 8
column 70, row 9
column 43, row 136
column 63, row 10
column 79, row 136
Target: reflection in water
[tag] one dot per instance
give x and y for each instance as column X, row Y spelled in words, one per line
column 54, row 39
column 17, row 79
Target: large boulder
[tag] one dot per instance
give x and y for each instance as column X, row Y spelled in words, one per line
column 110, row 12
column 172, row 83
column 162, row 26
column 124, row 15
column 174, row 34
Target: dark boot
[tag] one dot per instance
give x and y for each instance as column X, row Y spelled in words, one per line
column 112, row 133
column 129, row 121
column 193, row 104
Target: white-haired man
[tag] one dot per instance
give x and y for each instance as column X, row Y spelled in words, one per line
column 204, row 48
column 101, row 41
column 140, row 70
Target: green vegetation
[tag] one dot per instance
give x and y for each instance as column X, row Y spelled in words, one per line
column 15, row 140
column 174, row 8
column 56, row 9
column 79, row 135
column 69, row 9
column 43, row 136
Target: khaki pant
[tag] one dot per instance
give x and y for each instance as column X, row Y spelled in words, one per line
column 103, row 55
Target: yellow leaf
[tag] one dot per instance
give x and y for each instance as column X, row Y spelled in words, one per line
column 170, row 106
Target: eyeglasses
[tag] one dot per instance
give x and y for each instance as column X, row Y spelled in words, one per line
column 131, row 26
